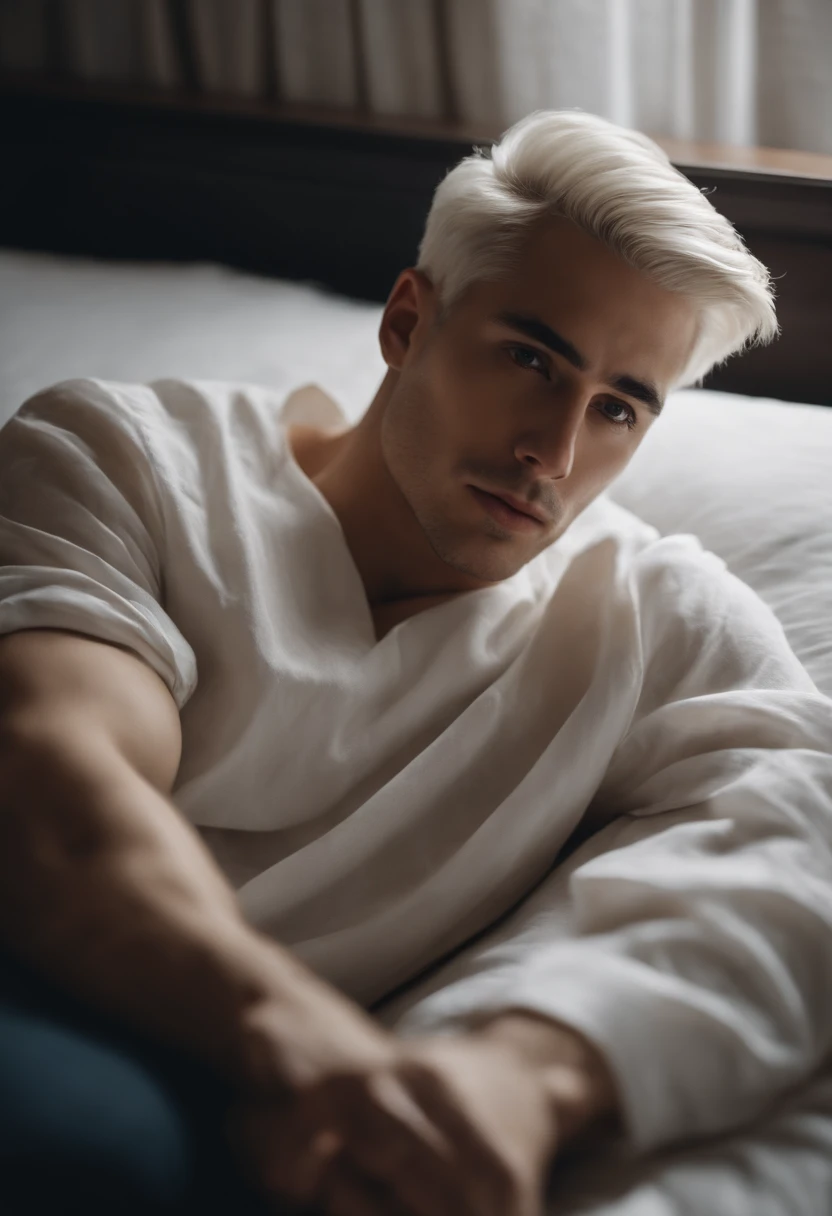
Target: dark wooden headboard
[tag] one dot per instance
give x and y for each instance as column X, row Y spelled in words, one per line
column 342, row 203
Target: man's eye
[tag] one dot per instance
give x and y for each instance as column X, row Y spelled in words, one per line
column 620, row 414
column 528, row 357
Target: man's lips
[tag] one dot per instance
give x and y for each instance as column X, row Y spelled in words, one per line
column 510, row 511
column 517, row 504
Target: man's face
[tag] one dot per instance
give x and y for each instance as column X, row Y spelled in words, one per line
column 540, row 386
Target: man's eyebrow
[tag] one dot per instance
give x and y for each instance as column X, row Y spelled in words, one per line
column 641, row 390
column 533, row 327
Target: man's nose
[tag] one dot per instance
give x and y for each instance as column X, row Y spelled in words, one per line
column 550, row 446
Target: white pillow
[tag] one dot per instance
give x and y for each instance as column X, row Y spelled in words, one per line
column 752, row 478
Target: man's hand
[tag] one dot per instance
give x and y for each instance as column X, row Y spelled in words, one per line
column 445, row 1127
column 455, row 1126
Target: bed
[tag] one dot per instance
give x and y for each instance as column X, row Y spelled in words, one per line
column 140, row 242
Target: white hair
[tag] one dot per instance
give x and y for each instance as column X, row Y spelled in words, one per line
column 619, row 186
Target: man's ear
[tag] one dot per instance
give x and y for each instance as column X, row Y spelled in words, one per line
column 407, row 316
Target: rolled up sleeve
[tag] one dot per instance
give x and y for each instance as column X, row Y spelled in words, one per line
column 82, row 537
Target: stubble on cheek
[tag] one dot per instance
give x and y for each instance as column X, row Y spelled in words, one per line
column 432, row 466
column 413, row 441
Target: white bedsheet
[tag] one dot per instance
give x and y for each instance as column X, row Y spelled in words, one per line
column 750, row 479
column 64, row 317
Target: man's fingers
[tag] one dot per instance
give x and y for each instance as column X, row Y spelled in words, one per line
column 406, row 1115
column 303, row 1176
column 377, row 1113
column 389, row 1136
column 284, row 1150
column 347, row 1192
column 492, row 1182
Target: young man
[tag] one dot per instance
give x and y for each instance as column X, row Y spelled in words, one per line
column 391, row 673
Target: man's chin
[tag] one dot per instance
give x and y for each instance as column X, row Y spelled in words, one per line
column 485, row 562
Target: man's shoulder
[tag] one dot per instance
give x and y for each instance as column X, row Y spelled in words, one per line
column 189, row 401
column 686, row 603
column 83, row 404
column 698, row 621
column 78, row 435
column 654, row 565
column 177, row 423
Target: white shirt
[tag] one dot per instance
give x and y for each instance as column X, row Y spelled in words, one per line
column 375, row 804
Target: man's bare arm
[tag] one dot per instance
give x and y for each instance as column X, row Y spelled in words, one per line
column 104, row 887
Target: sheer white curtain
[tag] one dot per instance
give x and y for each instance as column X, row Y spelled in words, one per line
column 734, row 71
column 685, row 68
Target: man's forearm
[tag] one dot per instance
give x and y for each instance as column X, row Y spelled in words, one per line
column 106, row 890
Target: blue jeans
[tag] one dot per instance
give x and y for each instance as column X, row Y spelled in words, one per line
column 95, row 1120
